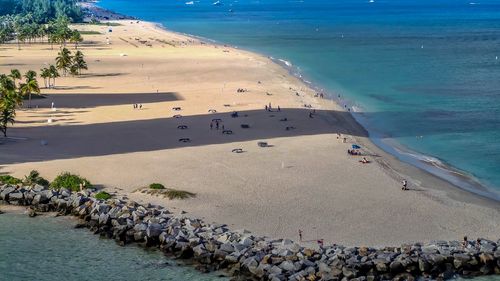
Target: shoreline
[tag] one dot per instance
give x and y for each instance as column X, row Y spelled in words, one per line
column 294, row 149
column 449, row 174
column 462, row 181
column 444, row 173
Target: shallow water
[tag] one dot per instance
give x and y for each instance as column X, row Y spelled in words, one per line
column 425, row 73
column 47, row 249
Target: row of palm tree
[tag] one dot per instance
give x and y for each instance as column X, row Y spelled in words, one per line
column 49, row 74
column 23, row 29
column 15, row 87
column 68, row 63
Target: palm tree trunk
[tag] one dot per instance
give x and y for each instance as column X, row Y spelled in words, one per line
column 29, row 100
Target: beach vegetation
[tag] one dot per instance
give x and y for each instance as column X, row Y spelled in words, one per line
column 30, row 86
column 15, row 74
column 8, row 179
column 156, row 186
column 49, row 75
column 24, row 29
column 34, row 178
column 103, row 195
column 79, row 63
column 42, row 11
column 9, row 100
column 75, row 38
column 159, row 189
column 70, row 181
column 89, row 32
column 105, row 23
column 53, row 74
column 178, row 194
column 64, row 60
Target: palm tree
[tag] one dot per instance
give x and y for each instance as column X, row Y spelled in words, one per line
column 76, row 38
column 8, row 101
column 53, row 74
column 30, row 75
column 63, row 60
column 15, row 74
column 7, row 115
column 31, row 85
column 79, row 62
column 7, row 85
column 45, row 74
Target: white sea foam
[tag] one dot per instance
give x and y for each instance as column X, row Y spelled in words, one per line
column 287, row 63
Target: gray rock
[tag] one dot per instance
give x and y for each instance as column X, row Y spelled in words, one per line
column 4, row 195
column 16, row 196
column 287, row 266
column 153, row 230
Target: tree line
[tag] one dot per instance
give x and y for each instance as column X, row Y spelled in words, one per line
column 23, row 29
column 42, row 11
column 16, row 87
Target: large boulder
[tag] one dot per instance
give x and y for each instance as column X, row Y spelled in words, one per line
column 4, row 195
column 16, row 196
column 154, row 230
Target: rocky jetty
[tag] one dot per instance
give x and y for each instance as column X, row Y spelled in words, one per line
column 249, row 257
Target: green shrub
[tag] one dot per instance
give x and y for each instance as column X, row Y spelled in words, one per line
column 179, row 194
column 69, row 181
column 8, row 179
column 156, row 186
column 89, row 32
column 35, row 178
column 103, row 195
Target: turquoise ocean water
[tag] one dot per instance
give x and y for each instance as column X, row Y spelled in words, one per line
column 423, row 76
column 48, row 249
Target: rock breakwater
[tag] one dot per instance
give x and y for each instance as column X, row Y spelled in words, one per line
column 249, row 257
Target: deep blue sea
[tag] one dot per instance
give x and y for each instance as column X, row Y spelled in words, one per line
column 422, row 75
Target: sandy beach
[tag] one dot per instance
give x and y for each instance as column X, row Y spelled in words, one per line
column 303, row 180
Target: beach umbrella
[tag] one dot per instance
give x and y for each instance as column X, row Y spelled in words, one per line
column 355, row 146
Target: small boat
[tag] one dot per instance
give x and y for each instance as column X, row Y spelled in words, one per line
column 371, row 1
column 217, row 3
column 190, row 3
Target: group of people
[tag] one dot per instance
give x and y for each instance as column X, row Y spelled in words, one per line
column 353, row 152
column 137, row 105
column 217, row 125
column 467, row 244
column 321, row 95
column 240, row 90
column 270, row 108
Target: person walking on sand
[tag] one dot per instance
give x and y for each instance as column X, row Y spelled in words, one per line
column 300, row 235
column 405, row 185
column 321, row 243
column 217, row 125
column 140, row 106
column 279, row 109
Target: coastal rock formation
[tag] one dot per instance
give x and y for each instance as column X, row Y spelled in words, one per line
column 249, row 257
